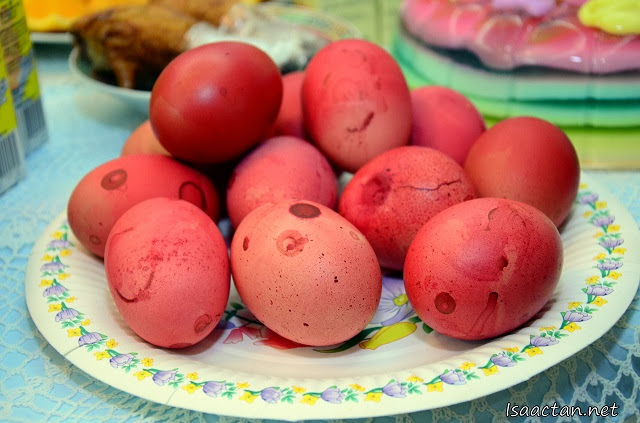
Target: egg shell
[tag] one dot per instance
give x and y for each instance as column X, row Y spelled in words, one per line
column 305, row 272
column 109, row 190
column 290, row 120
column 446, row 120
column 356, row 102
column 482, row 268
column 526, row 159
column 392, row 196
column 168, row 272
column 280, row 168
column 143, row 140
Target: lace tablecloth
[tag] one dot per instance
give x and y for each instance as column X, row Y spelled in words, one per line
column 88, row 128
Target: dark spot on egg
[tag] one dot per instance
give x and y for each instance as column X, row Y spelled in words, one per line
column 114, row 179
column 304, row 211
column 445, row 303
column 191, row 192
column 291, row 243
column 202, row 323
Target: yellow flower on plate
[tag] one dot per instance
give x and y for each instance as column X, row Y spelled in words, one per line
column 534, row 351
column 55, row 307
column 619, row 250
column 63, row 276
column 192, row 376
column 592, row 280
column 373, row 396
column 66, row 252
column 601, row 205
column 298, row 389
column 111, row 343
column 599, row 301
column 74, row 332
column 415, row 379
column 614, row 275
column 600, row 256
column 542, row 329
column 583, row 186
column 147, row 362
column 587, row 214
column 100, row 355
column 46, row 257
column 191, row 388
column 467, row 365
column 242, row 385
column 357, row 387
column 309, row 399
column 57, row 234
column 141, row 375
column 86, row 322
column 614, row 228
column 572, row 327
column 45, row 282
column 574, row 304
column 248, row 397
column 490, row 371
column 434, row 387
column 71, row 299
column 599, row 234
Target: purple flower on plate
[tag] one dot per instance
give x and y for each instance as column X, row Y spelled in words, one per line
column 67, row 314
column 332, row 395
column 598, row 291
column 59, row 244
column 90, row 338
column 54, row 291
column 608, row 265
column 503, row 360
column 271, row 395
column 225, row 324
column 589, row 199
column 543, row 341
column 52, row 267
column 394, row 304
column 611, row 243
column 121, row 360
column 576, row 316
column 395, row 390
column 534, row 8
column 213, row 389
column 603, row 221
column 453, row 378
column 164, row 377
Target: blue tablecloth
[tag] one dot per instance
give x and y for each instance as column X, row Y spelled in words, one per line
column 88, row 128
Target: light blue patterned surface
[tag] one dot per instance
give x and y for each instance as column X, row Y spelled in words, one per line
column 88, row 128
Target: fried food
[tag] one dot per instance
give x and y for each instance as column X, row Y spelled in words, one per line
column 134, row 42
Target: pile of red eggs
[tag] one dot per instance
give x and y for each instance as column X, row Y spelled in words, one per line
column 469, row 214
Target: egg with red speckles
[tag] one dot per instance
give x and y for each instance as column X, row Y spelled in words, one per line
column 109, row 190
column 168, row 271
column 393, row 195
column 482, row 268
column 305, row 272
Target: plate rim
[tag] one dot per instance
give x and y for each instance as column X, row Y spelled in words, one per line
column 267, row 411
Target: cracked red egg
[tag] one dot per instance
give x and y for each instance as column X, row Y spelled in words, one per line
column 109, row 190
column 482, row 268
column 393, row 195
column 305, row 272
column 168, row 272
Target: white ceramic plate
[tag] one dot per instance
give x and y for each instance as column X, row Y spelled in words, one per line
column 242, row 369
